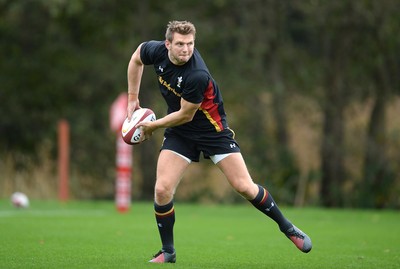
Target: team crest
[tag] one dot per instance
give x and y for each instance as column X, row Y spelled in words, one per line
column 179, row 82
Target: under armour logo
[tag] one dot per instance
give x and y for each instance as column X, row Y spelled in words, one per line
column 269, row 208
column 161, row 69
column 232, row 146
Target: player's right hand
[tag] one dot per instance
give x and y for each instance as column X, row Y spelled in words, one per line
column 132, row 106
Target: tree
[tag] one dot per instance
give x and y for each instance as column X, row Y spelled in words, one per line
column 382, row 67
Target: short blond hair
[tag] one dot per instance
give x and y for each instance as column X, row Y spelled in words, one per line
column 180, row 27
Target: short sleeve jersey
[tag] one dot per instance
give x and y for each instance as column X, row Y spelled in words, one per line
column 192, row 82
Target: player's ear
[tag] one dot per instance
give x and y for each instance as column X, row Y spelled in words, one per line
column 167, row 44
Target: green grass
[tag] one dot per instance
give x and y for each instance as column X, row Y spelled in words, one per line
column 94, row 235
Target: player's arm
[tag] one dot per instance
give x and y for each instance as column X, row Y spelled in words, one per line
column 183, row 115
column 135, row 72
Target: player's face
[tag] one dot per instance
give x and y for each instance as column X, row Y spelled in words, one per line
column 180, row 49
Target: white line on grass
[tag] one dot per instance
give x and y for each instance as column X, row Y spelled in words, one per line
column 63, row 212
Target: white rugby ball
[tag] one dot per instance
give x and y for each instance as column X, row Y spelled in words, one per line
column 131, row 134
column 19, row 200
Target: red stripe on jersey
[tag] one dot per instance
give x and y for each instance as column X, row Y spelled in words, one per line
column 210, row 109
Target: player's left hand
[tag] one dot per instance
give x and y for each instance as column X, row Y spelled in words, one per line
column 147, row 129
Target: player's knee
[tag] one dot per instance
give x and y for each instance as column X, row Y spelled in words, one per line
column 163, row 194
column 244, row 188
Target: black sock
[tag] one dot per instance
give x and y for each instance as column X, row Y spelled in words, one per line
column 266, row 204
column 165, row 217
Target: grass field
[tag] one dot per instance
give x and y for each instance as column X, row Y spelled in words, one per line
column 94, row 235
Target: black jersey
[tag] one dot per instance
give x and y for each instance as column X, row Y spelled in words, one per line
column 192, row 82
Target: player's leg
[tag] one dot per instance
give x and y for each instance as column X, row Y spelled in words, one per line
column 170, row 168
column 235, row 170
column 238, row 176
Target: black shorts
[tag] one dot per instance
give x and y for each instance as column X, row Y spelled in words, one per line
column 191, row 145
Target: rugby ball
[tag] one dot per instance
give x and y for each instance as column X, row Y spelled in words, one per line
column 131, row 134
column 19, row 200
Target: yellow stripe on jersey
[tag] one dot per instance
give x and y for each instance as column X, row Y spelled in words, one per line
column 212, row 121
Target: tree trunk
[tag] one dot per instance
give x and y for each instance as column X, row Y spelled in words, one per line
column 374, row 161
column 333, row 171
